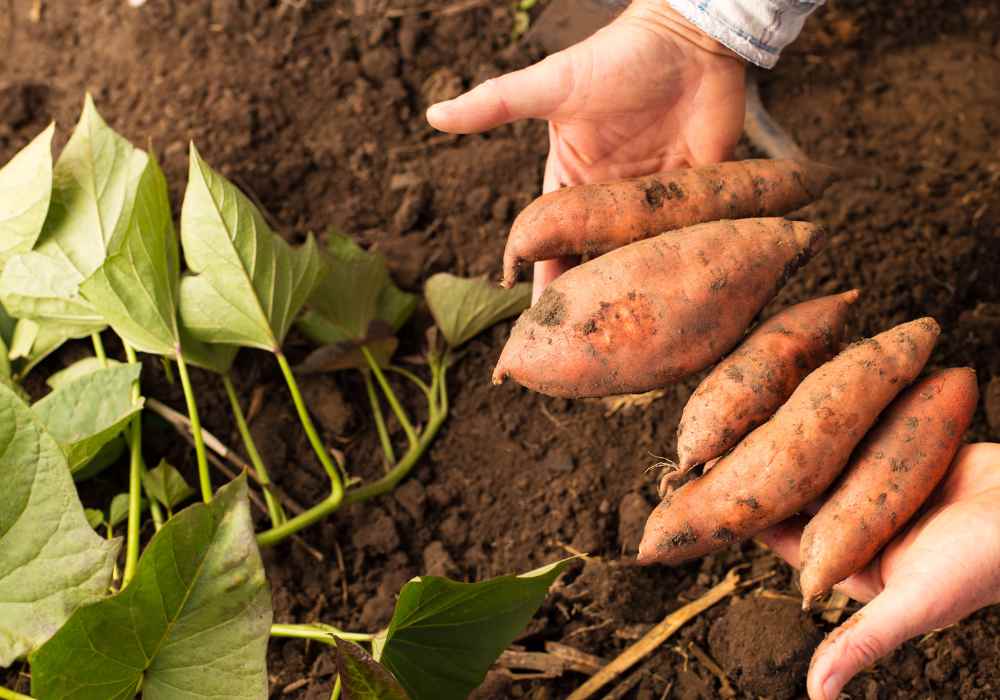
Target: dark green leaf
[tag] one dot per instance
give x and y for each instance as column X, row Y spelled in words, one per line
column 166, row 485
column 106, row 457
column 364, row 678
column 51, row 561
column 87, row 413
column 445, row 635
column 192, row 624
column 118, row 510
column 247, row 285
column 464, row 307
column 25, row 192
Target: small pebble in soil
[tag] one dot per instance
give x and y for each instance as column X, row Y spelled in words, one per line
column 764, row 645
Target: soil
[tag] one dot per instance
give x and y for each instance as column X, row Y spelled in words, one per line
column 316, row 110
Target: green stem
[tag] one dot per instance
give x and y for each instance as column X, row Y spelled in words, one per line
column 99, row 349
column 11, row 695
column 319, row 632
column 204, row 477
column 383, row 432
column 134, row 483
column 336, row 689
column 421, row 384
column 274, row 509
column 336, row 485
column 390, row 396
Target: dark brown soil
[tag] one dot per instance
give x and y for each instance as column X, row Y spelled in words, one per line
column 318, row 113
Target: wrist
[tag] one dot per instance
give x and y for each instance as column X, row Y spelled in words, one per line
column 664, row 19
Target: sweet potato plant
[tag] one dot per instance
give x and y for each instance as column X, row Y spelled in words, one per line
column 88, row 246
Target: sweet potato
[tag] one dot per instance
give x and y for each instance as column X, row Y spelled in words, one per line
column 790, row 460
column 889, row 477
column 648, row 314
column 747, row 387
column 597, row 218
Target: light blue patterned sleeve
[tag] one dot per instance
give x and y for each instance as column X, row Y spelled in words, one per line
column 755, row 29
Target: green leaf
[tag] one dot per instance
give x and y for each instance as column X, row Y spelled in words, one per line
column 51, row 561
column 36, row 286
column 35, row 340
column 347, row 355
column 80, row 368
column 166, row 485
column 25, row 193
column 95, row 518
column 107, row 456
column 7, row 325
column 464, row 307
column 136, row 287
column 216, row 358
column 118, row 510
column 192, row 624
column 364, row 678
column 247, row 284
column 445, row 635
column 396, row 306
column 87, row 413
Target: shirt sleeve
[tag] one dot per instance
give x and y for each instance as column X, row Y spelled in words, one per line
column 755, row 29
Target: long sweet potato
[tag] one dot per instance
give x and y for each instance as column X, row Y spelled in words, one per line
column 889, row 477
column 597, row 218
column 655, row 311
column 790, row 460
column 749, row 385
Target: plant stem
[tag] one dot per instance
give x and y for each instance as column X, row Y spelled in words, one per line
column 274, row 509
column 99, row 349
column 383, row 433
column 204, row 477
column 421, row 384
column 390, row 396
column 7, row 694
column 336, row 689
column 134, row 483
column 336, row 485
column 319, row 632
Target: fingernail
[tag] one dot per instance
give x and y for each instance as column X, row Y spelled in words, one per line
column 436, row 111
column 832, row 686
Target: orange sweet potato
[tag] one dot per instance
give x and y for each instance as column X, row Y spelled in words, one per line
column 648, row 314
column 889, row 477
column 597, row 218
column 747, row 387
column 790, row 460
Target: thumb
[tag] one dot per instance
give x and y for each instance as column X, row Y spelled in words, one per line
column 533, row 92
column 871, row 633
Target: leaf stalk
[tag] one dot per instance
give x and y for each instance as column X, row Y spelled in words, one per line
column 204, row 478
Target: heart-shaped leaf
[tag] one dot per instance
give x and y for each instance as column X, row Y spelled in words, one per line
column 87, row 413
column 25, row 192
column 464, row 307
column 445, row 635
column 166, row 485
column 364, row 678
column 247, row 285
column 118, row 510
column 192, row 624
column 51, row 561
column 95, row 517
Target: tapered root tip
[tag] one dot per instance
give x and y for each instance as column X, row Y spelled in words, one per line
column 851, row 296
column 511, row 266
column 499, row 376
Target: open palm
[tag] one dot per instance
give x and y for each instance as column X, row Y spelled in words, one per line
column 943, row 567
column 647, row 93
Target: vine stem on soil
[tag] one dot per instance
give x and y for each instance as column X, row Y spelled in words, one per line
column 8, row 694
column 319, row 632
column 274, row 509
column 134, row 482
column 204, row 478
column 390, row 396
column 336, row 485
column 383, row 432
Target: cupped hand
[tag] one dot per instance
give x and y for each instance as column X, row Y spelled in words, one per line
column 647, row 93
column 941, row 568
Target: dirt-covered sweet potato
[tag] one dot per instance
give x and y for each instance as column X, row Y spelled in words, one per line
column 790, row 460
column 648, row 314
column 889, row 477
column 749, row 385
column 596, row 218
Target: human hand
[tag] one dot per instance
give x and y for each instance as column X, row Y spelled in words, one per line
column 941, row 568
column 649, row 92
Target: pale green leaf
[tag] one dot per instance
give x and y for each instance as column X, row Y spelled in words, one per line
column 87, row 365
column 40, row 287
column 95, row 517
column 35, row 340
column 445, row 635
column 247, row 284
column 136, row 287
column 213, row 357
column 25, row 192
column 464, row 307
column 107, row 456
column 87, row 413
column 166, row 485
column 193, row 623
column 51, row 561
column 396, row 306
column 364, row 678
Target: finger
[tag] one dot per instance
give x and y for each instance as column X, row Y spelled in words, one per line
column 533, row 92
column 890, row 619
column 545, row 272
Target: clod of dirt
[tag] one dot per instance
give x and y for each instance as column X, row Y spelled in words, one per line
column 327, row 403
column 443, row 84
column 454, row 530
column 633, row 510
column 437, row 561
column 991, row 401
column 20, row 102
column 413, row 498
column 764, row 645
column 414, row 202
column 380, row 64
column 477, row 201
column 380, row 535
